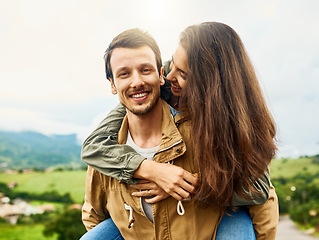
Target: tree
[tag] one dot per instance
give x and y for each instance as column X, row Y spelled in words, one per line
column 5, row 189
column 67, row 225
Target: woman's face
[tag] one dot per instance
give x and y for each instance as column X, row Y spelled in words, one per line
column 178, row 73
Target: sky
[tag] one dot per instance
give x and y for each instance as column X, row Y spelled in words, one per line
column 52, row 71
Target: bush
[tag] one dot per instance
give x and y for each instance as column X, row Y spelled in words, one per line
column 68, row 225
column 52, row 196
column 315, row 159
column 5, row 189
column 299, row 196
column 35, row 218
column 2, row 220
column 306, row 214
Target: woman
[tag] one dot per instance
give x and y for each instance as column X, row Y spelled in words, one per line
column 234, row 137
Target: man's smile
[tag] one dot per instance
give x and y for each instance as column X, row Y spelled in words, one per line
column 139, row 95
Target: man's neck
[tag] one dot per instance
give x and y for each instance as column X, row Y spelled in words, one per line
column 146, row 129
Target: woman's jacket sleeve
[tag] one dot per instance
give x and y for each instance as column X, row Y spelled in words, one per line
column 102, row 152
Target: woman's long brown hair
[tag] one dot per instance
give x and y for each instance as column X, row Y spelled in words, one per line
column 233, row 131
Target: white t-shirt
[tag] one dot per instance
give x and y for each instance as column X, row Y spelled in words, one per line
column 149, row 154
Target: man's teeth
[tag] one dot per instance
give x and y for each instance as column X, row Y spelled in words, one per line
column 139, row 95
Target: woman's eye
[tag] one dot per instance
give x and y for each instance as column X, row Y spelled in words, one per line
column 183, row 75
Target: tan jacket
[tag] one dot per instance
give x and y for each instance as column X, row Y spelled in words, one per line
column 106, row 195
column 265, row 217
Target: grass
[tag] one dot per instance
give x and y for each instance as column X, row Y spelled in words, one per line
column 72, row 182
column 22, row 232
column 287, row 168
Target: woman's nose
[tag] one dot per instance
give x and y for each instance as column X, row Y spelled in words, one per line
column 171, row 75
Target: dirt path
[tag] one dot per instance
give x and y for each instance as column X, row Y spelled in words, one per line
column 287, row 230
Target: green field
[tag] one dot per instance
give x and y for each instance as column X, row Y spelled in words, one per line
column 23, row 232
column 287, row 168
column 72, row 182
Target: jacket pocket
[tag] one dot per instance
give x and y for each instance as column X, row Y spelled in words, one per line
column 133, row 202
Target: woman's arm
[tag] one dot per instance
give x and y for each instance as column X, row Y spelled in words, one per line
column 102, row 151
column 262, row 187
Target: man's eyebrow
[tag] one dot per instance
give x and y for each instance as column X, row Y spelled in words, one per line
column 147, row 65
column 121, row 69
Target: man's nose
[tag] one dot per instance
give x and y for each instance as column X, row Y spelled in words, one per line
column 137, row 80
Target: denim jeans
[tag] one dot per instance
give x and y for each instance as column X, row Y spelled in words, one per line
column 106, row 230
column 237, row 225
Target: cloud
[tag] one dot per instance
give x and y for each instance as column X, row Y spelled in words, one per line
column 52, row 70
column 81, row 118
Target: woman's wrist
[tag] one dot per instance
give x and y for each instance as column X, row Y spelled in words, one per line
column 145, row 170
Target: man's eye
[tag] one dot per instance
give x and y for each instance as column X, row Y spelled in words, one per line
column 146, row 70
column 123, row 74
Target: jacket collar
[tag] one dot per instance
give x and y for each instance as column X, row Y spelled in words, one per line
column 171, row 138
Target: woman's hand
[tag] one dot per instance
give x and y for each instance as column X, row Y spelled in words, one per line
column 149, row 189
column 174, row 180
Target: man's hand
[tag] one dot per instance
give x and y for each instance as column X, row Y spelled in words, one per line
column 149, row 189
column 174, row 180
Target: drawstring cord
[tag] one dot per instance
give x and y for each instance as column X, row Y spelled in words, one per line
column 180, row 208
column 131, row 219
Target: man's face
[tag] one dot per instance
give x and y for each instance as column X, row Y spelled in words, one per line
column 136, row 78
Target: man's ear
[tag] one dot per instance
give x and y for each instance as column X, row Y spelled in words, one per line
column 162, row 81
column 114, row 91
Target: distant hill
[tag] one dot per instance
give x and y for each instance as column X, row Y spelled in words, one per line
column 289, row 167
column 26, row 150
